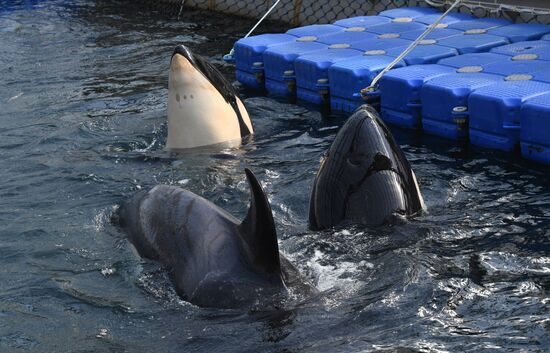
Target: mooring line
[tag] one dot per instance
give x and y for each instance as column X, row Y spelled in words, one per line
column 229, row 57
column 374, row 84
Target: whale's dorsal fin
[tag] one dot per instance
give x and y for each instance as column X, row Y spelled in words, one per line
column 258, row 230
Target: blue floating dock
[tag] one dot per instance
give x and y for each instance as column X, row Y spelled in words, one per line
column 363, row 22
column 473, row 43
column 408, row 12
column 347, row 36
column 519, row 32
column 473, row 60
column 348, row 77
column 397, row 27
column 312, row 72
column 451, row 18
column 249, row 60
column 535, row 129
column 424, row 53
column 280, row 77
column 526, row 47
column 536, row 54
column 400, row 93
column 445, row 102
column 542, row 76
column 383, row 43
column 479, row 25
column 437, row 33
column 494, row 112
column 314, row 30
column 469, row 78
column 518, row 68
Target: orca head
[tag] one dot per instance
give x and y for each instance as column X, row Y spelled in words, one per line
column 185, row 70
column 203, row 107
column 364, row 178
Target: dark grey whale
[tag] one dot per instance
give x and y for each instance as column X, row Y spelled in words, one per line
column 364, row 178
column 216, row 260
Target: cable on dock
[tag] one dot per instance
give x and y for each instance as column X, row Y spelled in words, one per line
column 229, row 56
column 368, row 91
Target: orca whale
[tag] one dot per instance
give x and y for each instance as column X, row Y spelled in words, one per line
column 203, row 107
column 216, row 260
column 364, row 178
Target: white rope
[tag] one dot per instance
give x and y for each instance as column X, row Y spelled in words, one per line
column 410, row 48
column 230, row 55
column 263, row 18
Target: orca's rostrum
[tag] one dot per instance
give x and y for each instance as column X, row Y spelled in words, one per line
column 203, row 107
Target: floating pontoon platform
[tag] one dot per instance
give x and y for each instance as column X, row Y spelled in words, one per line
column 483, row 80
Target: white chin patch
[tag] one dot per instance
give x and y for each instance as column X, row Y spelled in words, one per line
column 198, row 115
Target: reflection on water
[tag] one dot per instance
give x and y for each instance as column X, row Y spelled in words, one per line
column 83, row 127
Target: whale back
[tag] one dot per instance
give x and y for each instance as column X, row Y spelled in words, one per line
column 216, row 261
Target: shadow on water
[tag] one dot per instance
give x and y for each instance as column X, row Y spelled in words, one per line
column 83, row 127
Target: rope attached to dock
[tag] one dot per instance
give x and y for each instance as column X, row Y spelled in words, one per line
column 374, row 84
column 229, row 57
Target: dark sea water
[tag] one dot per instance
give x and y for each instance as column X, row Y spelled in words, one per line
column 82, row 127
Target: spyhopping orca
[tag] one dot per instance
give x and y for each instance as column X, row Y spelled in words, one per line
column 364, row 178
column 203, row 107
column 216, row 260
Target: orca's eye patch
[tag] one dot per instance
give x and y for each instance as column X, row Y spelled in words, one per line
column 356, row 160
column 381, row 162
